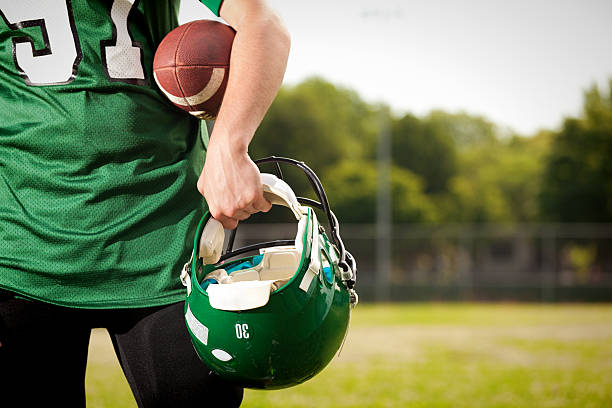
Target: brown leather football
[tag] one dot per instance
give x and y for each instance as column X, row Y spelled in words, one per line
column 191, row 66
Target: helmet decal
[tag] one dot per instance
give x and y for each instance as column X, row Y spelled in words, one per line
column 196, row 327
column 221, row 355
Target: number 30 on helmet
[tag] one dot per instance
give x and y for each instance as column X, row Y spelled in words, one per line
column 274, row 319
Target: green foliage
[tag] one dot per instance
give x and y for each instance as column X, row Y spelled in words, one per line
column 578, row 176
column 352, row 193
column 466, row 131
column 499, row 181
column 582, row 258
column 318, row 123
column 447, row 167
column 425, row 148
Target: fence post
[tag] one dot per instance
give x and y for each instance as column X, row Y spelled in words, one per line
column 466, row 266
column 384, row 214
column 549, row 254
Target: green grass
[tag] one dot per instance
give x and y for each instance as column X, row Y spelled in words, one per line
column 438, row 355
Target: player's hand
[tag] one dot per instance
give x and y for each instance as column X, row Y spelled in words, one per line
column 231, row 184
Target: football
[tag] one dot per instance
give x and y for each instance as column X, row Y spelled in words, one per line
column 191, row 66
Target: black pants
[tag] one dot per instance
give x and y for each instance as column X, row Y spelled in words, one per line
column 43, row 355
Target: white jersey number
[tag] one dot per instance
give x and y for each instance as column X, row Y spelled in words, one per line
column 122, row 57
column 58, row 60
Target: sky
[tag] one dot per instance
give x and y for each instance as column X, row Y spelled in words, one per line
column 523, row 64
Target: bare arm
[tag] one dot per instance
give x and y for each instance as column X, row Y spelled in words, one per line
column 230, row 181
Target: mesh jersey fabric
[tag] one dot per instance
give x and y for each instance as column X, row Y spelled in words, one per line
column 98, row 170
column 213, row 5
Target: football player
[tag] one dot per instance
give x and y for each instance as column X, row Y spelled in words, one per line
column 100, row 182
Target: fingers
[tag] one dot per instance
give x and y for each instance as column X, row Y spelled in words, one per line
column 233, row 192
column 227, row 222
column 261, row 204
column 241, row 215
column 230, row 218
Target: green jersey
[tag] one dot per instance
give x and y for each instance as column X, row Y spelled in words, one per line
column 98, row 170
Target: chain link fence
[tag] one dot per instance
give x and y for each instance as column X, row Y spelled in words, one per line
column 518, row 262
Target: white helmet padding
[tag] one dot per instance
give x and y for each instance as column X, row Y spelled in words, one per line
column 251, row 287
column 239, row 295
column 278, row 192
column 211, row 242
column 275, row 190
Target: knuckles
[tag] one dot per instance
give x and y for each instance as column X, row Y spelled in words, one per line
column 224, row 212
column 227, row 209
column 216, row 213
column 251, row 197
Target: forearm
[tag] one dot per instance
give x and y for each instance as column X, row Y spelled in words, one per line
column 230, row 181
column 258, row 63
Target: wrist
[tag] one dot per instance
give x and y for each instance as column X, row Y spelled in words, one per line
column 231, row 143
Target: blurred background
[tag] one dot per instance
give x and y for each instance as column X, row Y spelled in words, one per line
column 466, row 149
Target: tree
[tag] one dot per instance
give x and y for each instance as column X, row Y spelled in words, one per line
column 466, row 131
column 318, row 123
column 578, row 176
column 352, row 194
column 426, row 150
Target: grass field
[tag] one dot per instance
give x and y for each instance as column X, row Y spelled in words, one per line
column 437, row 355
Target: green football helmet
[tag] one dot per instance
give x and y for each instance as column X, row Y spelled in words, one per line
column 274, row 319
